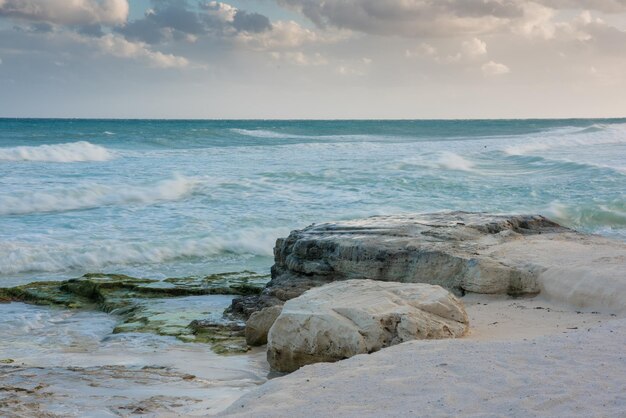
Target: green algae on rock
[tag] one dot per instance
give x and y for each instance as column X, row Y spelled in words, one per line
column 174, row 307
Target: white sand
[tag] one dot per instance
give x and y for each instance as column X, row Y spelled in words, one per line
column 518, row 360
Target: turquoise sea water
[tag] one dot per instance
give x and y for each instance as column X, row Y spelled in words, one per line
column 177, row 198
column 158, row 199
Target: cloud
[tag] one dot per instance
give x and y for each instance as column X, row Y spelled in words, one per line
column 288, row 34
column 177, row 20
column 300, row 58
column 251, row 22
column 117, row 46
column 66, row 12
column 474, row 47
column 220, row 11
column 493, row 68
column 445, row 18
column 607, row 6
column 423, row 50
column 411, row 18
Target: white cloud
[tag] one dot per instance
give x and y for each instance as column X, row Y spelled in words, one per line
column 537, row 22
column 69, row 12
column 300, row 58
column 423, row 50
column 223, row 11
column 474, row 47
column 357, row 67
column 493, row 68
column 288, row 34
column 117, row 46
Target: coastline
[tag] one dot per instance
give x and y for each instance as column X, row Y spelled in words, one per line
column 552, row 347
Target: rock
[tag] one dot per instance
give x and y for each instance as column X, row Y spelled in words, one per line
column 259, row 324
column 463, row 252
column 342, row 319
column 174, row 307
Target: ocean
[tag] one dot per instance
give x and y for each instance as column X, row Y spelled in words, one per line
column 163, row 199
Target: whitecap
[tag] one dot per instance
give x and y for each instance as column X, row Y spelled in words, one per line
column 22, row 257
column 451, row 161
column 262, row 133
column 595, row 135
column 88, row 196
column 60, row 153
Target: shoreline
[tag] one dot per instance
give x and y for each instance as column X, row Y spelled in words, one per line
column 524, row 344
column 545, row 305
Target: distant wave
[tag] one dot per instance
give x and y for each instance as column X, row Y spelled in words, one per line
column 594, row 135
column 95, row 195
column 445, row 160
column 17, row 257
column 262, row 133
column 59, row 153
column 267, row 134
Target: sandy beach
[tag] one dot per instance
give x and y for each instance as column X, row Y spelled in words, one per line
column 521, row 357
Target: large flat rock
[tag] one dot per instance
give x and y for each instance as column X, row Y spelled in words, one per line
column 343, row 319
column 463, row 252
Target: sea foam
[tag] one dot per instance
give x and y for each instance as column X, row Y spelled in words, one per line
column 452, row 161
column 90, row 196
column 54, row 256
column 60, row 153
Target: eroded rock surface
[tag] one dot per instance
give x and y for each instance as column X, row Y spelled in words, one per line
column 178, row 307
column 343, row 319
column 463, row 252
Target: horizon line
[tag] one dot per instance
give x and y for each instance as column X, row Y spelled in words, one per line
column 69, row 118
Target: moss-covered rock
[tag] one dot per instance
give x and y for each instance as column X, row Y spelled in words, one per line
column 173, row 307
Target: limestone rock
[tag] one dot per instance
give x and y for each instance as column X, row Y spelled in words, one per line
column 342, row 319
column 259, row 324
column 463, row 252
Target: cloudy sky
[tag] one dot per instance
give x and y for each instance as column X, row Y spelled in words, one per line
column 313, row 59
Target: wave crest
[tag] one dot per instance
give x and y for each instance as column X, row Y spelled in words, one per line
column 20, row 257
column 594, row 135
column 59, row 153
column 263, row 133
column 95, row 195
column 452, row 161
column 608, row 218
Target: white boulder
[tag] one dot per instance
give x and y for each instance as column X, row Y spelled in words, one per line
column 345, row 318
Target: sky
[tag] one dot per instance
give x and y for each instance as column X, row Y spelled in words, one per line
column 306, row 59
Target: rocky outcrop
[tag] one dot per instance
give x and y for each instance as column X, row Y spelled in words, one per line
column 342, row 319
column 259, row 324
column 463, row 252
column 175, row 307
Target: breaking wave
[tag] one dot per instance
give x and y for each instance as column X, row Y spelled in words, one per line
column 452, row 161
column 59, row 153
column 95, row 195
column 594, row 135
column 607, row 218
column 19, row 257
column 262, row 133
